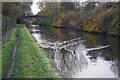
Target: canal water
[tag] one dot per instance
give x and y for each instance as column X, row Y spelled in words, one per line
column 78, row 54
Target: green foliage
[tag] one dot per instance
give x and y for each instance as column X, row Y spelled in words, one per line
column 51, row 10
column 91, row 17
column 60, row 15
column 31, row 61
column 15, row 10
column 46, row 23
column 7, row 25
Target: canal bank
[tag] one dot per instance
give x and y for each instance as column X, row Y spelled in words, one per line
column 31, row 61
column 7, row 49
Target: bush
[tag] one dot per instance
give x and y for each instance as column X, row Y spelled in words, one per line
column 46, row 23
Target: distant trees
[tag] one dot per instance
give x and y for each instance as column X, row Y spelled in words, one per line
column 54, row 10
column 12, row 13
column 89, row 16
column 50, row 9
column 15, row 10
column 68, row 6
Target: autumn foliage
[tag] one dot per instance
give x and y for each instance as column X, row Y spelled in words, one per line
column 63, row 21
column 92, row 17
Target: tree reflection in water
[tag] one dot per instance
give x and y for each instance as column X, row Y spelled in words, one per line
column 80, row 55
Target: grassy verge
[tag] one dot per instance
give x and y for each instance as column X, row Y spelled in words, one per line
column 31, row 61
column 7, row 50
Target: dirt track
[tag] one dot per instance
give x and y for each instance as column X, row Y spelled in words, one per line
column 12, row 62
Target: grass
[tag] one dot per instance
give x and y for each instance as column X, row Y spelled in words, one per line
column 7, row 50
column 31, row 61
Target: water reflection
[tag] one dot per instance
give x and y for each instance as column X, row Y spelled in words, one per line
column 80, row 55
column 69, row 63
